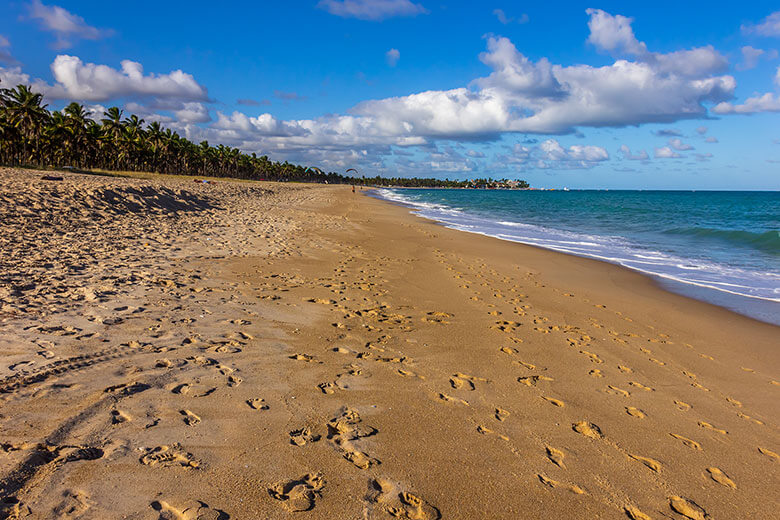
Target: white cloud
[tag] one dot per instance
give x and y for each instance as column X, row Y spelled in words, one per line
column 475, row 154
column 65, row 25
column 750, row 57
column 552, row 150
column 769, row 26
column 371, row 9
column 90, row 82
column 760, row 103
column 665, row 152
column 639, row 156
column 392, row 56
column 702, row 130
column 678, row 145
column 613, row 33
column 711, row 139
column 193, row 112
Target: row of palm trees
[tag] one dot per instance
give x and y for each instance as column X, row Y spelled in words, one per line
column 31, row 135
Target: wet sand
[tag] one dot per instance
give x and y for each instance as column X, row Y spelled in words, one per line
column 255, row 350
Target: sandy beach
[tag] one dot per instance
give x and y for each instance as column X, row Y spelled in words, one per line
column 179, row 350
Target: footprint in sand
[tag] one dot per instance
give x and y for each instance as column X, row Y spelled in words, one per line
column 166, row 456
column 298, row 494
column 501, row 414
column 119, row 417
column 385, row 495
column 749, row 418
column 635, row 514
column 459, row 380
column 647, row 461
column 257, row 403
column 190, row 419
column 641, row 386
column 595, row 373
column 769, row 453
column 617, row 391
column 683, row 407
column 303, row 357
column 347, row 427
column 708, row 426
column 553, row 401
column 688, row 508
column 588, row 429
column 73, row 505
column 533, row 380
column 303, row 436
column 721, row 478
column 555, row 456
column 688, row 442
column 555, row 484
column 635, row 412
column 327, row 387
column 484, row 430
column 195, row 510
column 449, row 399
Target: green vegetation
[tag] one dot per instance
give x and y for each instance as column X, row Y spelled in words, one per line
column 31, row 135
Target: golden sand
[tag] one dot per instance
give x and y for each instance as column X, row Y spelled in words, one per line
column 253, row 351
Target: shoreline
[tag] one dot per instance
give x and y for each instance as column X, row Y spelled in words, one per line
column 755, row 307
column 258, row 350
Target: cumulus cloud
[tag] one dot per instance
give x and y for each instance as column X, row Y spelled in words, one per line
column 392, row 56
column 639, row 156
column 711, row 139
column 374, row 10
column 677, row 144
column 769, row 26
column 65, row 25
column 702, row 130
column 667, row 132
column 613, row 34
column 90, row 82
column 664, row 152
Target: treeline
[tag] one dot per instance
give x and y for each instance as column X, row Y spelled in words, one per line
column 31, row 135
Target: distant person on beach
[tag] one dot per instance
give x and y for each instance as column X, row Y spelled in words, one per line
column 353, row 188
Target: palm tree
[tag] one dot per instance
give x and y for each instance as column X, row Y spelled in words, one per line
column 24, row 111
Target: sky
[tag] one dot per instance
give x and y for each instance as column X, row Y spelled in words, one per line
column 677, row 95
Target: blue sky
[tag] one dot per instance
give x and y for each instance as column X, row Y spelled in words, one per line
column 680, row 95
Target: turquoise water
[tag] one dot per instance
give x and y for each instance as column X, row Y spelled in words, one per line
column 721, row 247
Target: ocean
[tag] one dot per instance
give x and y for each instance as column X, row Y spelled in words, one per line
column 720, row 247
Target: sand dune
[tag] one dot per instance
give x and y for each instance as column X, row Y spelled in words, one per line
column 231, row 350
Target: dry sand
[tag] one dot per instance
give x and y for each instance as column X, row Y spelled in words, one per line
column 249, row 351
